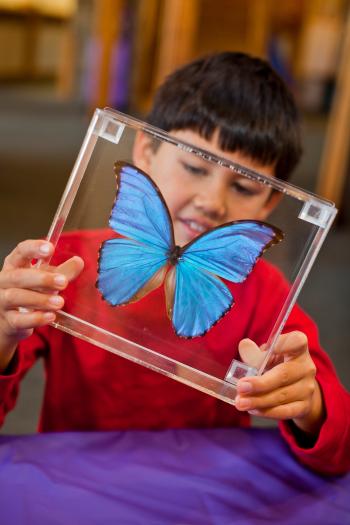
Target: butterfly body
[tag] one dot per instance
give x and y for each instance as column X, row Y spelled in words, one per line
column 174, row 255
column 146, row 256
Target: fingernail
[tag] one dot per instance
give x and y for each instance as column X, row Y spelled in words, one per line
column 56, row 300
column 244, row 386
column 60, row 280
column 242, row 404
column 45, row 249
column 49, row 316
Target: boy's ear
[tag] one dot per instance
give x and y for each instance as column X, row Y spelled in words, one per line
column 143, row 151
column 273, row 200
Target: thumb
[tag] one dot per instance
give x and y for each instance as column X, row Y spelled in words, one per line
column 71, row 268
column 251, row 354
column 291, row 345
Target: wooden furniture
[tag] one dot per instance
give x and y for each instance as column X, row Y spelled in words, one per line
column 166, row 34
column 336, row 156
column 26, row 22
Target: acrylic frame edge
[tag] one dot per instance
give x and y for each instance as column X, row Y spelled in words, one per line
column 75, row 178
column 283, row 186
column 296, row 288
column 223, row 387
column 206, row 383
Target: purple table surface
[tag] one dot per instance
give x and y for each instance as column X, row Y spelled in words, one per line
column 180, row 477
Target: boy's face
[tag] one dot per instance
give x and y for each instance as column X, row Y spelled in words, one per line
column 201, row 195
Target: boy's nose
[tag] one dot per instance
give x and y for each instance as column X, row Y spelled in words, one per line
column 212, row 203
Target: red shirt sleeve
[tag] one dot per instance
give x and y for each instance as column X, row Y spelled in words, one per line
column 330, row 454
column 25, row 356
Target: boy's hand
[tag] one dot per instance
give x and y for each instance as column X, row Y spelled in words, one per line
column 29, row 297
column 289, row 390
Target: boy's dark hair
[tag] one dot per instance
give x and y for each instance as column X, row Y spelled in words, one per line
column 241, row 97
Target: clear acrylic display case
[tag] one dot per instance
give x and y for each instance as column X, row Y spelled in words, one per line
column 141, row 331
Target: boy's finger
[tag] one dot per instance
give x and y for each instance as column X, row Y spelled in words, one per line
column 296, row 391
column 281, row 375
column 27, row 321
column 26, row 251
column 32, row 278
column 282, row 412
column 12, row 298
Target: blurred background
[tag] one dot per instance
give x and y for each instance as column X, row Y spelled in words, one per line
column 60, row 59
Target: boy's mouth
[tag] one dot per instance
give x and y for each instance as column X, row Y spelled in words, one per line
column 194, row 228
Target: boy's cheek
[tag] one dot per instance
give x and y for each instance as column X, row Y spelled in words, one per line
column 270, row 204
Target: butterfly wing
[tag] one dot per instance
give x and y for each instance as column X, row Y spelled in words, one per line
column 139, row 211
column 132, row 267
column 196, row 299
column 196, row 296
column 129, row 270
column 231, row 250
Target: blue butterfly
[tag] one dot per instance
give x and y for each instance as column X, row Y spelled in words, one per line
column 146, row 256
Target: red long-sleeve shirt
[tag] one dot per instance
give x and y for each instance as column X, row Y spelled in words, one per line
column 88, row 388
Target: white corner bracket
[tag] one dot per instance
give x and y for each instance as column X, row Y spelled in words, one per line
column 318, row 214
column 111, row 130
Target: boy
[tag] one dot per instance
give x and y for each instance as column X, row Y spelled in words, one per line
column 234, row 106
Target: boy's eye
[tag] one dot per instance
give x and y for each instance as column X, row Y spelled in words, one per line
column 194, row 170
column 243, row 190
